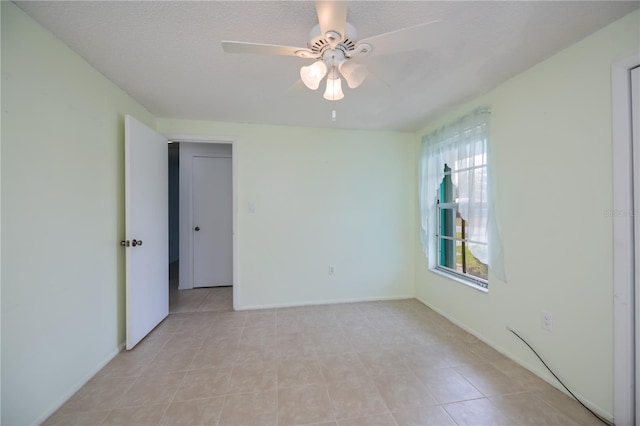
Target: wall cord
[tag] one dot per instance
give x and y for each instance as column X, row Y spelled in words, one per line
column 560, row 381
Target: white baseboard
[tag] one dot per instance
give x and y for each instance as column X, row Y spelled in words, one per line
column 538, row 372
column 322, row 302
column 65, row 397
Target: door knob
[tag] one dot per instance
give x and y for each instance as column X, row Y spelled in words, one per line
column 136, row 243
column 197, row 228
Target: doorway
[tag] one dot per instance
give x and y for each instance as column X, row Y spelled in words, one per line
column 626, row 238
column 201, row 238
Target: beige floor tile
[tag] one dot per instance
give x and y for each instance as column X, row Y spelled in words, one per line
column 423, row 416
column 398, row 337
column 489, row 380
column 378, row 420
column 386, row 321
column 568, row 406
column 261, row 318
column 342, row 366
column 487, row 352
column 293, row 325
column 215, row 332
column 224, row 343
column 76, row 419
column 230, row 319
column 242, row 359
column 249, row 409
column 212, row 357
column 180, row 342
column 292, row 347
column 528, row 409
column 459, row 354
column 204, row 383
column 171, row 361
column 336, row 344
column 217, row 305
column 447, row 385
column 403, row 391
column 186, row 300
column 350, row 317
column 355, row 398
column 315, row 324
column 196, row 412
column 151, row 390
column 522, row 376
column 136, row 416
column 364, row 343
column 420, row 358
column 298, row 372
column 333, row 338
column 253, row 377
column 251, row 355
column 169, row 325
column 304, row 405
column 478, row 412
column 100, row 393
column 257, row 337
column 383, row 362
column 126, row 364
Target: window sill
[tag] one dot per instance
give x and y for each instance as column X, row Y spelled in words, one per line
column 459, row 279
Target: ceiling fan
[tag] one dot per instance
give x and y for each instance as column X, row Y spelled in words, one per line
column 333, row 44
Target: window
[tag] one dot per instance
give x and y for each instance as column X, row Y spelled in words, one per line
column 454, row 201
column 454, row 253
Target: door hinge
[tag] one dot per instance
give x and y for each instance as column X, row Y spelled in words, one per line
column 125, row 243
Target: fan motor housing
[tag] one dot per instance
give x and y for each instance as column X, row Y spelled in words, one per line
column 318, row 43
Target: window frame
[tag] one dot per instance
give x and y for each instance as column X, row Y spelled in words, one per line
column 463, row 277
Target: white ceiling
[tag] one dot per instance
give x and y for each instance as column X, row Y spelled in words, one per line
column 167, row 54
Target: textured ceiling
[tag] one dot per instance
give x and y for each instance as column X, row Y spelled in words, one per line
column 167, row 54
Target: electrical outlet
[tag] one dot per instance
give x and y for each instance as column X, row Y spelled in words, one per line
column 332, row 270
column 547, row 321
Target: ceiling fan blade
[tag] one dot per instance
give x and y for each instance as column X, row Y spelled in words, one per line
column 397, row 41
column 266, row 49
column 332, row 16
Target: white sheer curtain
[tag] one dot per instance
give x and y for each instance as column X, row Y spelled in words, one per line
column 463, row 146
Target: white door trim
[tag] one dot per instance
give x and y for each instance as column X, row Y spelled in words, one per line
column 623, row 242
column 234, row 190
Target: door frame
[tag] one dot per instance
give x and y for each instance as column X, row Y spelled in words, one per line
column 624, row 286
column 206, row 139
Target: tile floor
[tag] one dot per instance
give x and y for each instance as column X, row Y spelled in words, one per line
column 375, row 363
column 197, row 299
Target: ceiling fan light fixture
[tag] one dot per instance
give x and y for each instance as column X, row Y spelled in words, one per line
column 313, row 74
column 333, row 92
column 353, row 72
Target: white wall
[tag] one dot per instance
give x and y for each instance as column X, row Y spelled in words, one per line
column 62, row 219
column 322, row 196
column 552, row 154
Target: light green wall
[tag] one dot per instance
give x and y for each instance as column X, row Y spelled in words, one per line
column 552, row 161
column 62, row 218
column 322, row 196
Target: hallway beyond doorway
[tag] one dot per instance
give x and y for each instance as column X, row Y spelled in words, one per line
column 219, row 299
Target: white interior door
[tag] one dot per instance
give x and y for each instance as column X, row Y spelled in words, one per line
column 635, row 123
column 146, row 222
column 212, row 222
